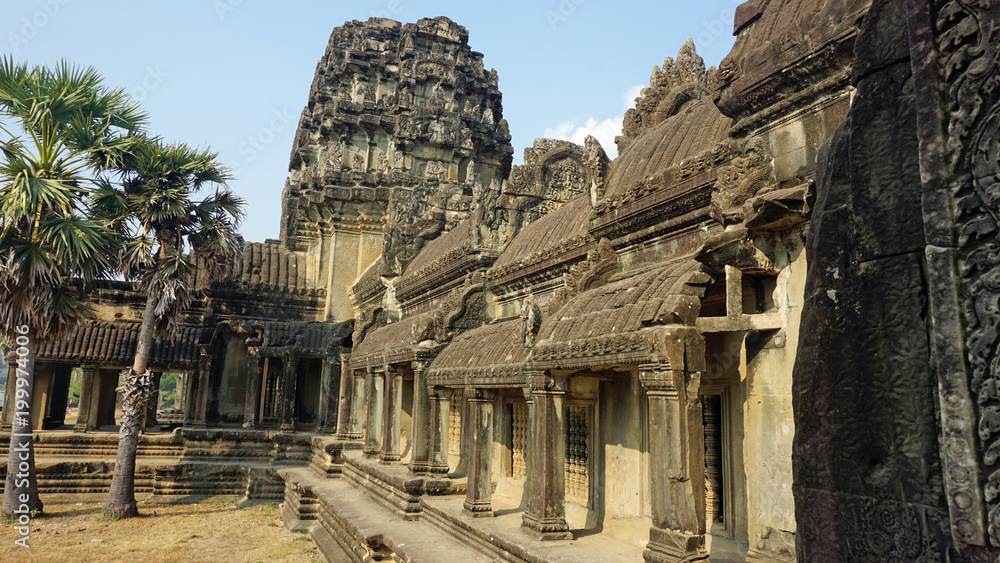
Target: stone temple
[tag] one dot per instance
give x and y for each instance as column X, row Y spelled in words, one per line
column 769, row 330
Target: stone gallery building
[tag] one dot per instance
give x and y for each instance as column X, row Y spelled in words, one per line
column 766, row 331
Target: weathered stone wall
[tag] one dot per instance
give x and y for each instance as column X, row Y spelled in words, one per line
column 867, row 460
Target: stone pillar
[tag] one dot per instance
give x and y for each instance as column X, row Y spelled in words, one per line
column 329, row 395
column 83, row 417
column 480, row 479
column 375, row 391
column 199, row 395
column 180, row 394
column 545, row 514
column 440, row 403
column 676, row 454
column 391, row 414
column 288, row 391
column 251, row 407
column 420, row 437
column 358, row 402
column 154, row 401
column 346, row 398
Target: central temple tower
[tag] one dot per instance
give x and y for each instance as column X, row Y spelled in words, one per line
column 403, row 130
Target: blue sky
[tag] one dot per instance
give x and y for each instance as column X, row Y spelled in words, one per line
column 235, row 74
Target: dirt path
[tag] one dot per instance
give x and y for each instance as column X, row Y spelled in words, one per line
column 211, row 531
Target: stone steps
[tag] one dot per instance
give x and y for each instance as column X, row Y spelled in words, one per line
column 350, row 522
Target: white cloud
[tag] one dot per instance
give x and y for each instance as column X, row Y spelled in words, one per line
column 604, row 130
column 631, row 95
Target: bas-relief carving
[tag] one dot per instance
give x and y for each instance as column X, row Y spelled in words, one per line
column 554, row 173
column 531, row 321
column 744, row 177
column 967, row 35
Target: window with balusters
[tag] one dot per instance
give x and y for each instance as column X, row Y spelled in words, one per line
column 578, row 426
column 519, row 441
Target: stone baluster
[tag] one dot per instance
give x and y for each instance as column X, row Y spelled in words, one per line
column 375, row 391
column 545, row 514
column 479, row 483
column 391, row 414
column 420, row 437
column 440, row 404
column 288, row 390
column 83, row 418
column 252, row 404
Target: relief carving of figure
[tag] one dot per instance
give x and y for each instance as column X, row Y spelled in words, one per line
column 335, row 158
column 531, row 321
column 435, row 168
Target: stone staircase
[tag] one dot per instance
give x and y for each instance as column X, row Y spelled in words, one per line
column 359, row 510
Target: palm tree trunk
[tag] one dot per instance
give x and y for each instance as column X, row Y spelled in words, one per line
column 137, row 389
column 21, row 477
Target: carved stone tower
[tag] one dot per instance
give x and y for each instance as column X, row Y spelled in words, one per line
column 403, row 129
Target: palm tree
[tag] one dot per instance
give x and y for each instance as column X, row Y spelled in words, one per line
column 58, row 127
column 166, row 237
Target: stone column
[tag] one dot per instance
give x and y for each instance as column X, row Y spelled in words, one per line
column 545, row 514
column 252, row 404
column 420, row 437
column 480, row 479
column 199, row 403
column 190, row 384
column 676, row 459
column 391, row 414
column 154, row 401
column 528, row 483
column 440, row 403
column 358, row 402
column 346, row 397
column 329, row 395
column 288, row 388
column 180, row 394
column 83, row 420
column 375, row 391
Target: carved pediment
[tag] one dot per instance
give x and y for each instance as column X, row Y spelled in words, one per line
column 744, row 177
column 600, row 265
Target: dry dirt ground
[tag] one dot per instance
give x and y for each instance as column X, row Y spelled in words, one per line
column 210, row 531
